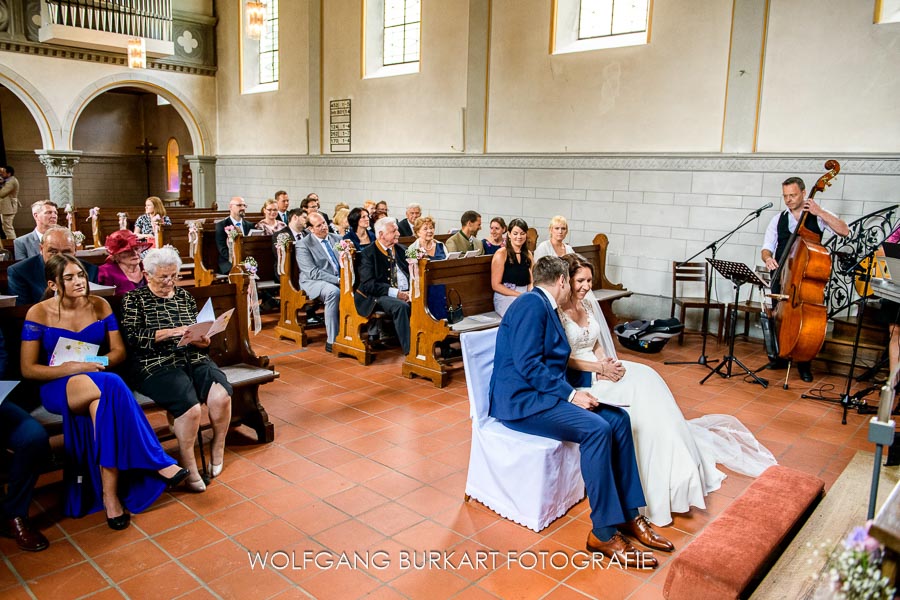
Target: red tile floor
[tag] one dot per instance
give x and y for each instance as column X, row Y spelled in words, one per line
column 367, row 461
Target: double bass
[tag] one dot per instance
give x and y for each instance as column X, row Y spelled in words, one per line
column 804, row 268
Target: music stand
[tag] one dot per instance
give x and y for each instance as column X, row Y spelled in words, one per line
column 738, row 274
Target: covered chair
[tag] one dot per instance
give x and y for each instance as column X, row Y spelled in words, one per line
column 525, row 478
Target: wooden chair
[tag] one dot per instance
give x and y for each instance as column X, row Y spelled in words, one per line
column 750, row 306
column 693, row 274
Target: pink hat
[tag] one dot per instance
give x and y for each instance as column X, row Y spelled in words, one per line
column 124, row 241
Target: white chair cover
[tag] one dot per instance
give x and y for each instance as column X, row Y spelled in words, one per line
column 528, row 479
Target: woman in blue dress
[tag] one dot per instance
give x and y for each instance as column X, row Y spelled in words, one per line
column 114, row 460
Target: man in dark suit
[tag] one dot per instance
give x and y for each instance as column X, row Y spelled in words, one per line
column 384, row 279
column 530, row 393
column 282, row 203
column 413, row 212
column 320, row 272
column 26, row 279
column 237, row 207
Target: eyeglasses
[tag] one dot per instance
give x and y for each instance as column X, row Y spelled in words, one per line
column 167, row 279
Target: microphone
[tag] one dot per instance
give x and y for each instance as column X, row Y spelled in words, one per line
column 759, row 210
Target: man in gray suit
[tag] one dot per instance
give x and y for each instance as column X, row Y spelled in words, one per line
column 45, row 216
column 320, row 272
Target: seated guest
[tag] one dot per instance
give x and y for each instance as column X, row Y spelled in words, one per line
column 154, row 319
column 320, row 272
column 154, row 210
column 45, row 216
column 26, row 279
column 297, row 224
column 511, row 267
column 384, row 279
column 359, row 232
column 338, row 207
column 29, row 444
column 381, row 208
column 369, row 205
column 529, row 393
column 282, row 204
column 270, row 222
column 122, row 268
column 495, row 239
column 341, row 225
column 312, row 204
column 556, row 245
column 236, row 208
column 99, row 412
column 424, row 229
column 464, row 240
column 413, row 212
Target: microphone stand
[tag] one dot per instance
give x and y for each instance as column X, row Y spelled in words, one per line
column 714, row 246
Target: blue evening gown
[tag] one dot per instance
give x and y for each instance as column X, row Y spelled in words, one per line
column 124, row 439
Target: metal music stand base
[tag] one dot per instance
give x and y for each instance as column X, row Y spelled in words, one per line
column 738, row 274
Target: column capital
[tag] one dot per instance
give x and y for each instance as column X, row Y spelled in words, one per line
column 200, row 158
column 59, row 163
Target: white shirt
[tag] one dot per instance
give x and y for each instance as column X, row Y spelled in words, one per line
column 771, row 239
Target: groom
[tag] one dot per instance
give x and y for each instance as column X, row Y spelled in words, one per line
column 529, row 393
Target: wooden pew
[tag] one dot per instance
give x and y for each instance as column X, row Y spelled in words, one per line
column 471, row 278
column 293, row 300
column 231, row 350
column 205, row 253
column 350, row 340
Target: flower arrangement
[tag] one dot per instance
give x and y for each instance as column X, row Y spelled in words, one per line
column 250, row 265
column 415, row 253
column 344, row 246
column 79, row 237
column 123, row 220
column 233, row 232
column 856, row 572
column 282, row 240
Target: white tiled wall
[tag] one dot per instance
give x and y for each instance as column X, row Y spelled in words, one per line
column 655, row 209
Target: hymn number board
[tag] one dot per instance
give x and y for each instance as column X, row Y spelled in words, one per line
column 340, row 125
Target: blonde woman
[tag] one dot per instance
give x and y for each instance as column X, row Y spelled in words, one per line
column 153, row 208
column 339, row 222
column 556, row 245
column 270, row 222
column 424, row 230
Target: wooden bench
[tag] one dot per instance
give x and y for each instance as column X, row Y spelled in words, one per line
column 350, row 340
column 732, row 553
column 471, row 278
column 294, row 301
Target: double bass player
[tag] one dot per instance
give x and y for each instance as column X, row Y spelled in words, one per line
column 778, row 234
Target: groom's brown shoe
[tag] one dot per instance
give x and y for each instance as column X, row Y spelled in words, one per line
column 624, row 553
column 639, row 528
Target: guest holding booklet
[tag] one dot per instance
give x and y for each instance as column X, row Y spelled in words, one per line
column 155, row 319
column 99, row 412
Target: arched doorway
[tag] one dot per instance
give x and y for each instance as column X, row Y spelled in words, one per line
column 124, row 134
column 21, row 135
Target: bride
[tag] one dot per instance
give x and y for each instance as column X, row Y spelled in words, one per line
column 676, row 460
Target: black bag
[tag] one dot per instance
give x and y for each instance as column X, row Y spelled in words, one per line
column 454, row 313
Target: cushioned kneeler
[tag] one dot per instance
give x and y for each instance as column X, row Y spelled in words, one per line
column 732, row 550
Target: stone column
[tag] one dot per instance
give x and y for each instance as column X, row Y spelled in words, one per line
column 203, row 169
column 59, row 165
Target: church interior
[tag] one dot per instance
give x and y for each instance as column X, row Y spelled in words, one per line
column 667, row 126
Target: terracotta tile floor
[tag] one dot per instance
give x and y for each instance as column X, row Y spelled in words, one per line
column 366, row 461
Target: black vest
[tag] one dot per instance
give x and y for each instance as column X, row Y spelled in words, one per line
column 784, row 234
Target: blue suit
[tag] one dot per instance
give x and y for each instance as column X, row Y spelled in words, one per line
column 529, row 393
column 27, row 282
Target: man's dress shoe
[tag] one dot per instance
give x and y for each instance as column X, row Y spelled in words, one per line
column 618, row 547
column 639, row 528
column 26, row 536
column 805, row 372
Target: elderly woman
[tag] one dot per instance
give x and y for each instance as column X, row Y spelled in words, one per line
column 556, row 245
column 153, row 210
column 360, row 233
column 123, row 265
column 511, row 267
column 424, row 230
column 270, row 222
column 494, row 241
column 99, row 412
column 154, row 319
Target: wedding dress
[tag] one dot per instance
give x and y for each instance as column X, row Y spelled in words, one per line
column 676, row 459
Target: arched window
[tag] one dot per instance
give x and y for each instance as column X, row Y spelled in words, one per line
column 173, row 173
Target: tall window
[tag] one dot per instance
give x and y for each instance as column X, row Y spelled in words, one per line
column 268, row 45
column 173, row 174
column 598, row 18
column 391, row 37
column 580, row 25
column 401, row 31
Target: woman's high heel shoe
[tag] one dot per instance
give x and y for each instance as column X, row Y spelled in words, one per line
column 119, row 523
column 176, row 478
column 195, row 485
column 216, row 470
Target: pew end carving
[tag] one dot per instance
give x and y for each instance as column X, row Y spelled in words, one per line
column 293, row 300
